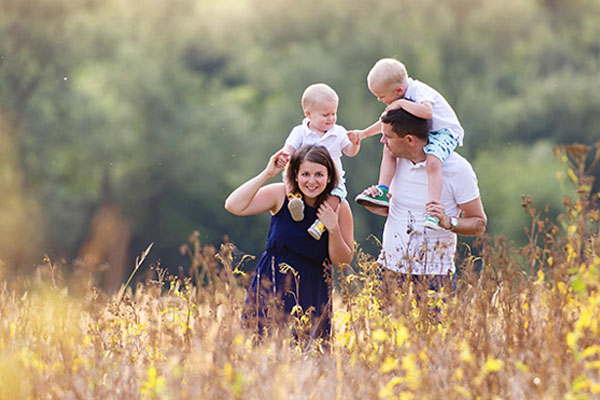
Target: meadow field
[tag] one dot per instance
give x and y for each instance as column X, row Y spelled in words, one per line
column 524, row 323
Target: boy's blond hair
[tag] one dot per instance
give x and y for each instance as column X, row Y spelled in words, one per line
column 386, row 73
column 317, row 94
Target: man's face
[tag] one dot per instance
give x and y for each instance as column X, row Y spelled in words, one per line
column 395, row 143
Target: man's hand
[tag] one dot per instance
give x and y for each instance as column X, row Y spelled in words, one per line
column 373, row 191
column 472, row 219
column 436, row 209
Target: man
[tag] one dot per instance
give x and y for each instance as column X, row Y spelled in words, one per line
column 408, row 248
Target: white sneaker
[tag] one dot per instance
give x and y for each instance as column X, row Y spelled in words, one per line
column 431, row 222
column 316, row 229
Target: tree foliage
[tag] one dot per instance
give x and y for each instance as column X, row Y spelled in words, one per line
column 181, row 101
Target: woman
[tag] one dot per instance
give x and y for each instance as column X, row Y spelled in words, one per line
column 312, row 174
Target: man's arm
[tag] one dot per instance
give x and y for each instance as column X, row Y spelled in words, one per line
column 471, row 221
column 383, row 211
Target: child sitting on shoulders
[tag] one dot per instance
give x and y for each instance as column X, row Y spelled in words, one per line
column 320, row 104
column 390, row 83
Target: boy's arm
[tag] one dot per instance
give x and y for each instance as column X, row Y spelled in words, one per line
column 288, row 149
column 422, row 110
column 352, row 148
column 359, row 135
column 372, row 130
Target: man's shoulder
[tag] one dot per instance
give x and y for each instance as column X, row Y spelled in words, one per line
column 456, row 164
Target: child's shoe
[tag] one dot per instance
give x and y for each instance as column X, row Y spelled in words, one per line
column 381, row 200
column 316, row 229
column 296, row 207
column 431, row 222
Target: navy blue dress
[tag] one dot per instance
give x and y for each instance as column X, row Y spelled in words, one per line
column 289, row 243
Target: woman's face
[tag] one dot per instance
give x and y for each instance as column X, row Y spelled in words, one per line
column 312, row 179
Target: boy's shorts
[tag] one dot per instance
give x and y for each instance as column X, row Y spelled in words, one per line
column 340, row 191
column 441, row 144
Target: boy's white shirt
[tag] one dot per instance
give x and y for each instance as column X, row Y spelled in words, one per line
column 334, row 140
column 443, row 114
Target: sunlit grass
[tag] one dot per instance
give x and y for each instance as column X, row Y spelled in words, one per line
column 523, row 324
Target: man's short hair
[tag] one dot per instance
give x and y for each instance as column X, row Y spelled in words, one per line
column 404, row 123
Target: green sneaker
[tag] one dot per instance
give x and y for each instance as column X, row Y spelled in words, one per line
column 380, row 200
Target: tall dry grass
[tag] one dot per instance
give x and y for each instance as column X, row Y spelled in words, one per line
column 524, row 323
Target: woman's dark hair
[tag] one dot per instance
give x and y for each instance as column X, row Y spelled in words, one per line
column 316, row 154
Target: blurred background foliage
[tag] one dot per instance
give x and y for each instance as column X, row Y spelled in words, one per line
column 164, row 106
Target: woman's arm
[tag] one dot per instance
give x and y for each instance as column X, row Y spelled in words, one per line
column 341, row 232
column 253, row 197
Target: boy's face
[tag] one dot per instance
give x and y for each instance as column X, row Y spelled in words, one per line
column 322, row 116
column 387, row 95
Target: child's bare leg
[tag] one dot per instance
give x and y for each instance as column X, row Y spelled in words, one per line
column 333, row 201
column 387, row 168
column 386, row 174
column 433, row 166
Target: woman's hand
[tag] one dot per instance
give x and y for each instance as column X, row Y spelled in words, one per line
column 253, row 197
column 328, row 216
column 277, row 163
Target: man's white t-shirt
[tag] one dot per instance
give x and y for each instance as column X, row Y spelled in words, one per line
column 443, row 115
column 408, row 247
column 334, row 140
